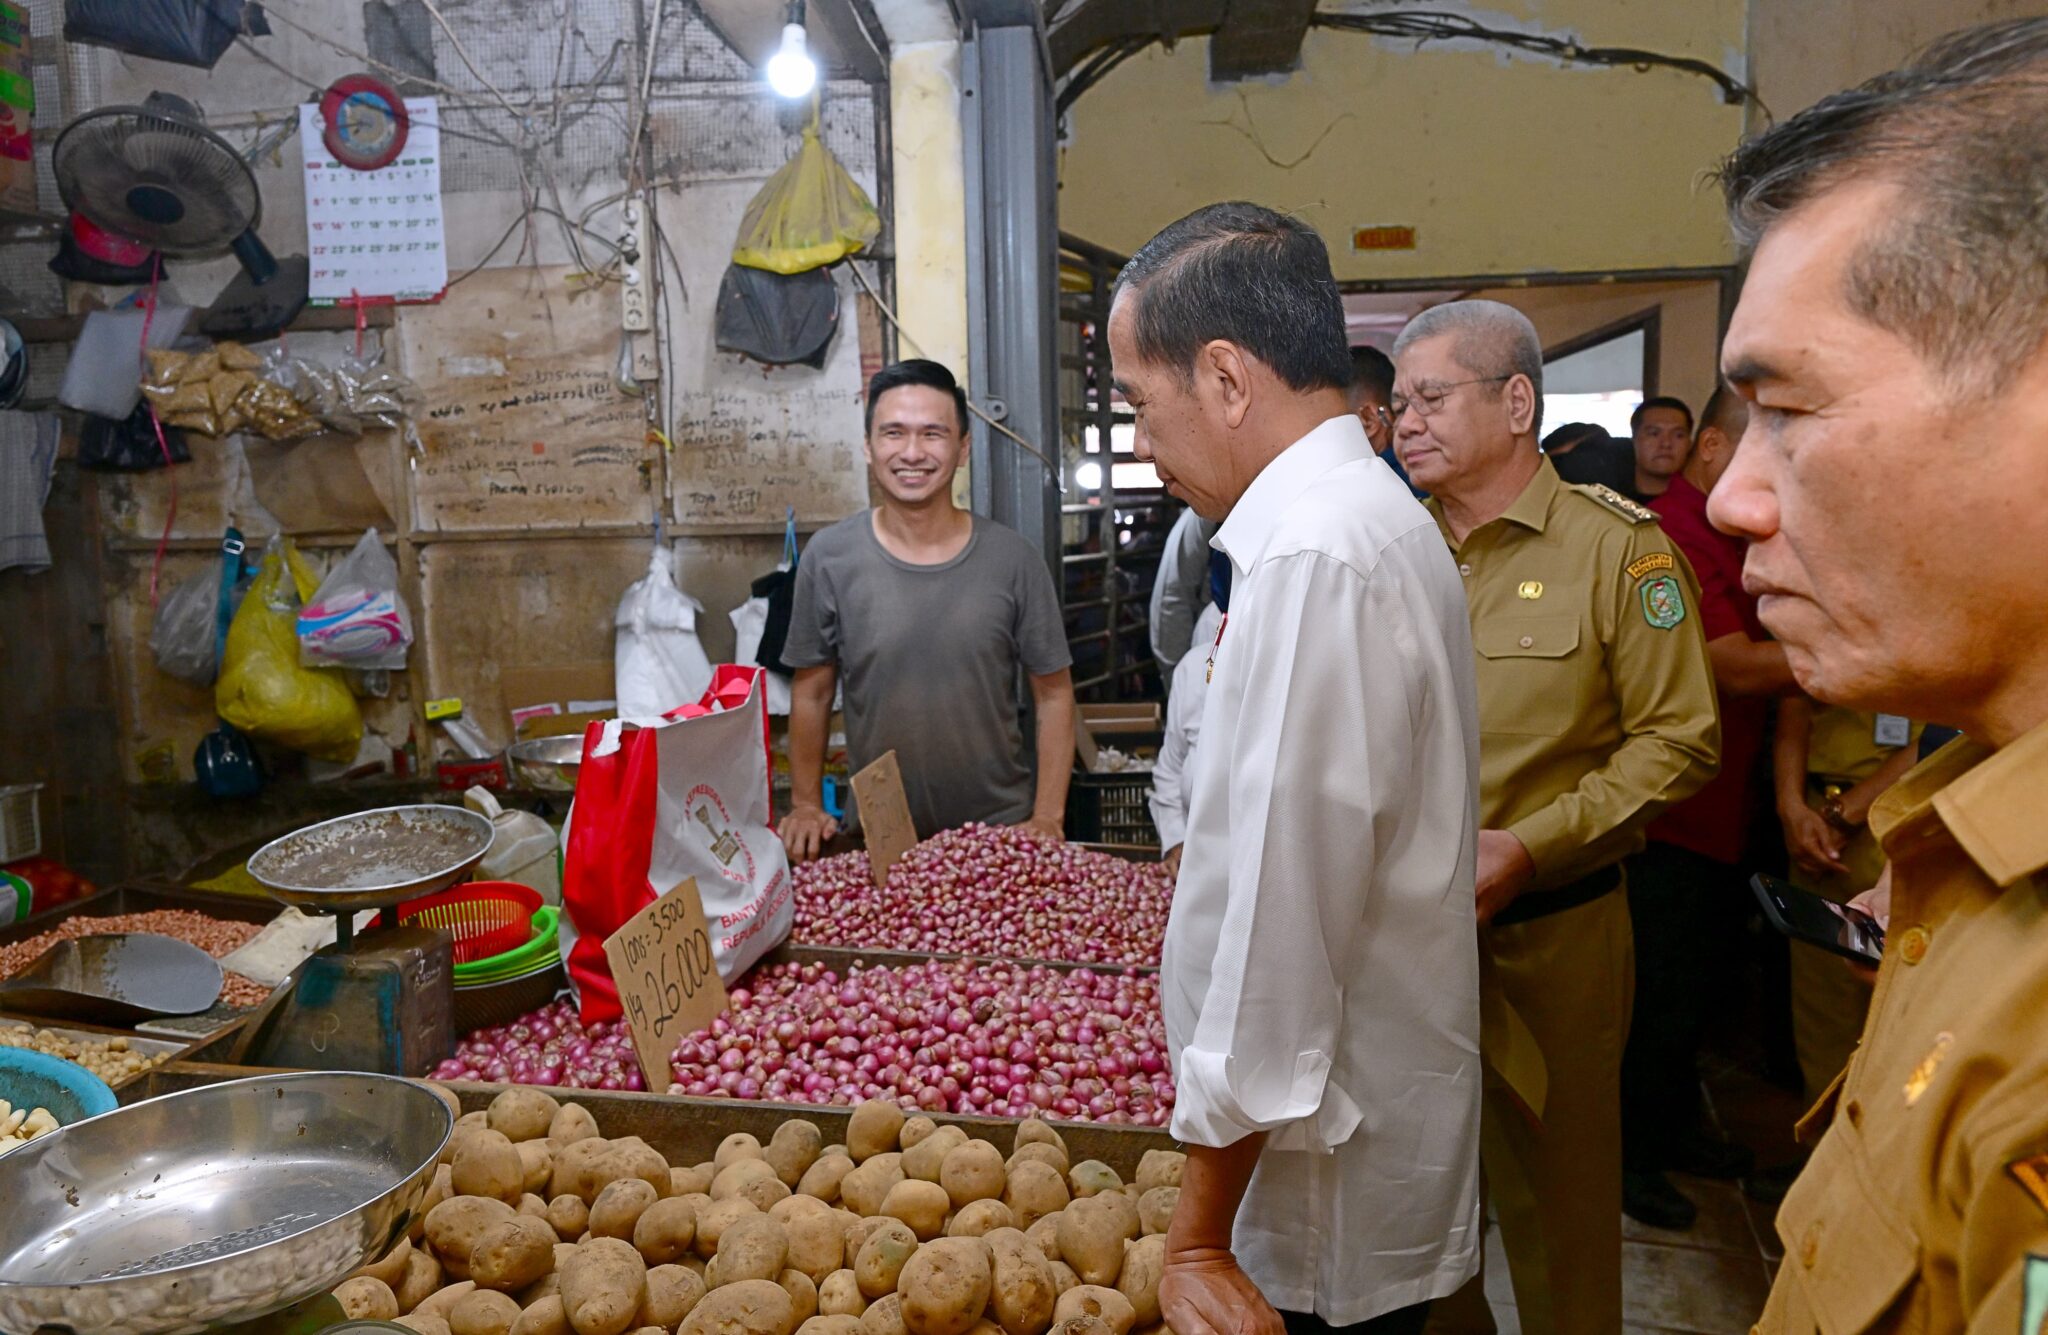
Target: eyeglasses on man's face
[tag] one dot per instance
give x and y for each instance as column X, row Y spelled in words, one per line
column 1429, row 400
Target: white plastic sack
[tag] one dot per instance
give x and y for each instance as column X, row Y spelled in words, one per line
column 658, row 662
column 749, row 620
column 357, row 618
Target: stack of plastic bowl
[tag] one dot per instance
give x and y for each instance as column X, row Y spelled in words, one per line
column 505, row 986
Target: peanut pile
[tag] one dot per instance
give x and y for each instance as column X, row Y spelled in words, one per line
column 112, row 1060
column 215, row 936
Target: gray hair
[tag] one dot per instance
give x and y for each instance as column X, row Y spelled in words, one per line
column 1489, row 338
column 1960, row 269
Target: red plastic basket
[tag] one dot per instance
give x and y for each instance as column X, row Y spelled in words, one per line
column 486, row 918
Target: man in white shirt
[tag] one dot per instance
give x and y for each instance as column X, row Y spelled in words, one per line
column 1172, row 770
column 1180, row 590
column 1320, row 978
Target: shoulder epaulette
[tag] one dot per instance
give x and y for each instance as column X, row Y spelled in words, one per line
column 1611, row 499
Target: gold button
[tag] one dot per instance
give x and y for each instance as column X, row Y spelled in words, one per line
column 1913, row 944
column 1809, row 1247
column 1528, row 641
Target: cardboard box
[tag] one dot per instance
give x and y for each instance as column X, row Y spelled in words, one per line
column 566, row 686
column 17, row 113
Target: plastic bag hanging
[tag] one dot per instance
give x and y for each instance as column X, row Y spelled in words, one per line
column 658, row 661
column 811, row 213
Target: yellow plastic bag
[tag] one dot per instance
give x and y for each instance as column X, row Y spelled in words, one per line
column 810, row 214
column 262, row 689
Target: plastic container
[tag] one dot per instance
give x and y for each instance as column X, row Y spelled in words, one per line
column 1111, row 809
column 30, row 1079
column 21, row 823
column 524, row 848
column 485, row 918
column 543, row 948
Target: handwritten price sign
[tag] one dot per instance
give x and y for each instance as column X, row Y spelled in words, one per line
column 884, row 815
column 668, row 982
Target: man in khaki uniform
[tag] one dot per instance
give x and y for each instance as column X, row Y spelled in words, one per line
column 1893, row 339
column 1597, row 709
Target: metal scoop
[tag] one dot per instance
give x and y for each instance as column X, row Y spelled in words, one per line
column 117, row 978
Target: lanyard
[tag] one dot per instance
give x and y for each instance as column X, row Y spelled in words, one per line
column 1210, row 675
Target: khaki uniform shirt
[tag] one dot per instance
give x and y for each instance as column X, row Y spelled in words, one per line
column 1928, row 1194
column 1596, row 696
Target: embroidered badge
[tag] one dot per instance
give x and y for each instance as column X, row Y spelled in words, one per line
column 1663, row 602
column 1532, row 589
column 1923, row 1074
column 2032, row 1175
column 1655, row 561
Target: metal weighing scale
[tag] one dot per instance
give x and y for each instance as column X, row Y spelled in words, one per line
column 379, row 1001
column 234, row 1207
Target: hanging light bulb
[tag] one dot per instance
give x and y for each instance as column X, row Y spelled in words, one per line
column 791, row 71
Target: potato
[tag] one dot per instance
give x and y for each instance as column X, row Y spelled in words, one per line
column 873, row 1129
column 439, row 1191
column 522, row 1114
column 1063, row 1276
column 422, row 1277
column 857, row 1233
column 366, row 1299
column 735, row 1147
column 1023, row 1293
column 822, row 1178
column 672, row 1290
column 454, row 1226
column 487, row 1164
column 882, row 1258
column 978, row 1219
column 1144, row 1263
column 1160, row 1168
column 665, row 1230
column 690, row 1181
column 792, row 1150
column 984, row 1327
column 914, row 1132
column 863, row 1190
column 425, row 1325
column 547, row 1286
column 536, row 1164
column 754, row 1179
column 750, row 1307
column 530, row 1204
column 513, row 1254
column 1032, row 1131
column 390, row 1267
column 1083, row 1325
column 1038, row 1151
column 840, row 1295
column 834, row 1323
column 483, row 1312
column 1155, row 1208
column 839, row 1150
column 945, row 1286
column 793, row 1207
column 817, row 1240
column 441, row 1300
column 569, row 1215
column 619, row 1207
column 753, row 1247
column 1034, row 1189
column 1122, row 1212
column 575, row 1166
column 1092, row 1176
column 603, row 1285
column 922, row 1205
column 466, row 1125
column 803, row 1295
column 714, row 1219
column 631, row 1157
column 1092, row 1241
column 1093, row 1300
column 924, row 1160
column 570, row 1124
column 972, row 1172
column 544, row 1316
column 1045, row 1234
column 883, row 1317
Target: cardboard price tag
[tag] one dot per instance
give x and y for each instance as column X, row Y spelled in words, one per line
column 668, row 982
column 884, row 815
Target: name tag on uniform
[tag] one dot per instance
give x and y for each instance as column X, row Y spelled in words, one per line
column 1893, row 730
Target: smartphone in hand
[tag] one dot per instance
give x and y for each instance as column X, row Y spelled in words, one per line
column 1817, row 920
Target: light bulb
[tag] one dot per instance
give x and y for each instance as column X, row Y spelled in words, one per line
column 791, row 72
column 1088, row 476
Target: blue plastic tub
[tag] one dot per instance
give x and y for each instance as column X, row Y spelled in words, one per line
column 37, row 1080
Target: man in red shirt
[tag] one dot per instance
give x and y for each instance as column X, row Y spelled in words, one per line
column 1685, row 888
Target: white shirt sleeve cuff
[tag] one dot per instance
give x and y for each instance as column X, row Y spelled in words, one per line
column 1170, row 821
column 1306, row 1112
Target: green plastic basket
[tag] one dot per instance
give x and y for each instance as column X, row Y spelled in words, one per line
column 540, row 950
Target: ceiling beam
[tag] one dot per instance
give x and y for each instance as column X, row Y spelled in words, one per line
column 1086, row 26
column 1258, row 37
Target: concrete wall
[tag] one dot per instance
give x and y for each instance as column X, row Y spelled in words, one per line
column 1802, row 50
column 1688, row 322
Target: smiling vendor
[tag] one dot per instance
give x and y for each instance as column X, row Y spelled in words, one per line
column 926, row 613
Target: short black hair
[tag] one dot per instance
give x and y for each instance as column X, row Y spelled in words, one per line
column 1635, row 419
column 1960, row 268
column 1726, row 411
column 1246, row 275
column 1573, row 434
column 1372, row 372
column 915, row 371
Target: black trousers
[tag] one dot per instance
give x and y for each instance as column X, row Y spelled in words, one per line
column 1402, row 1321
column 1686, row 910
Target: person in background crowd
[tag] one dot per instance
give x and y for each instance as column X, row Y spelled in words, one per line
column 1596, row 706
column 1372, row 389
column 1830, row 765
column 1584, row 453
column 1662, row 427
column 1687, row 897
column 1180, row 589
column 1892, row 340
column 1184, row 701
column 930, row 613
column 1320, row 980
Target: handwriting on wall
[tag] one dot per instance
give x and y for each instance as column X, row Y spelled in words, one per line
column 743, row 455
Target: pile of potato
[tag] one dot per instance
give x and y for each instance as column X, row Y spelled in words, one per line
column 537, row 1225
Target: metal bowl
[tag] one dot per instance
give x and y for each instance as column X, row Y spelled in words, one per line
column 222, row 1203
column 548, row 763
column 372, row 859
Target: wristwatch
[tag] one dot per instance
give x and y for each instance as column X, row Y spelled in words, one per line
column 1831, row 810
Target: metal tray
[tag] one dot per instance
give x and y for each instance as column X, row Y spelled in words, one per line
column 221, row 1203
column 371, row 859
column 115, row 978
column 548, row 764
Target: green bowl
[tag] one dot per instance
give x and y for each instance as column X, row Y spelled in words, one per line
column 538, row 951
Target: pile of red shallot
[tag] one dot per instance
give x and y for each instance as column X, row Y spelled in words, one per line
column 990, row 890
column 550, row 1046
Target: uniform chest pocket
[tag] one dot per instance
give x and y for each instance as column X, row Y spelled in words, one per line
column 1528, row 674
column 1848, row 1249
